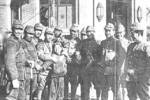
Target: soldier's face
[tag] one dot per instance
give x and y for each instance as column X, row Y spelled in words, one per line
column 49, row 37
column 58, row 49
column 136, row 36
column 18, row 33
column 109, row 33
column 38, row 33
column 120, row 34
column 57, row 33
column 89, row 34
column 74, row 34
column 29, row 37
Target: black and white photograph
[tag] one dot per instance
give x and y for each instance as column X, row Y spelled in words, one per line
column 74, row 49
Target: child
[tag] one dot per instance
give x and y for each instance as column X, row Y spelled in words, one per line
column 59, row 70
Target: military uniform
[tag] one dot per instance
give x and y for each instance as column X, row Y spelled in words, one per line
column 138, row 68
column 44, row 50
column 89, row 50
column 112, row 60
column 73, row 66
column 31, row 54
column 138, row 60
column 15, row 65
column 71, row 43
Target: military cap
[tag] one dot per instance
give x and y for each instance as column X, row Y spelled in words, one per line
column 109, row 26
column 48, row 31
column 90, row 28
column 74, row 27
column 83, row 31
column 29, row 29
column 120, row 27
column 58, row 28
column 38, row 26
column 17, row 24
column 136, row 26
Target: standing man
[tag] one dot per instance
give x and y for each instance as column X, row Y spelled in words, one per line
column 44, row 50
column 31, row 54
column 38, row 28
column 120, row 34
column 70, row 43
column 138, row 65
column 15, row 62
column 57, row 34
column 111, row 61
column 88, row 50
column 83, row 34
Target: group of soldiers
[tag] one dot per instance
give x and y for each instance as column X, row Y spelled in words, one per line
column 33, row 64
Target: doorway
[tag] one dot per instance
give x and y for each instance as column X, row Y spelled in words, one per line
column 119, row 11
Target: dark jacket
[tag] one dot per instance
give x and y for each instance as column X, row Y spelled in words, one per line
column 14, row 59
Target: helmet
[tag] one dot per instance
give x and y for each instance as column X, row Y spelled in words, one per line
column 90, row 28
column 136, row 26
column 58, row 28
column 29, row 29
column 109, row 26
column 83, row 31
column 38, row 26
column 17, row 24
column 74, row 27
column 120, row 27
column 48, row 31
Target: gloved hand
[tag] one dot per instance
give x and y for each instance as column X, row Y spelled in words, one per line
column 15, row 83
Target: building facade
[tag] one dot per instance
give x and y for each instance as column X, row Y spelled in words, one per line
column 83, row 12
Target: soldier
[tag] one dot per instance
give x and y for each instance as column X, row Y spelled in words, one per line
column 38, row 28
column 44, row 49
column 83, row 34
column 120, row 34
column 88, row 50
column 112, row 59
column 83, row 37
column 57, row 34
column 31, row 54
column 15, row 62
column 70, row 42
column 138, row 65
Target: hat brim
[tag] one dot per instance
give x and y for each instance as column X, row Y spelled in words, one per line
column 18, row 27
column 108, row 28
column 38, row 28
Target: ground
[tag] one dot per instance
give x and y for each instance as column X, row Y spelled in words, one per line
column 92, row 94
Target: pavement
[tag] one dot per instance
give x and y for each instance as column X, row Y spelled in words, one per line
column 92, row 94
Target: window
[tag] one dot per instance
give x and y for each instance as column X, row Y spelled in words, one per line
column 61, row 12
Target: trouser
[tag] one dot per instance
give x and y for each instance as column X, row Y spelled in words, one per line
column 56, row 88
column 28, row 85
column 72, row 77
column 17, row 94
column 107, row 82
column 139, row 88
column 88, row 76
column 42, row 79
